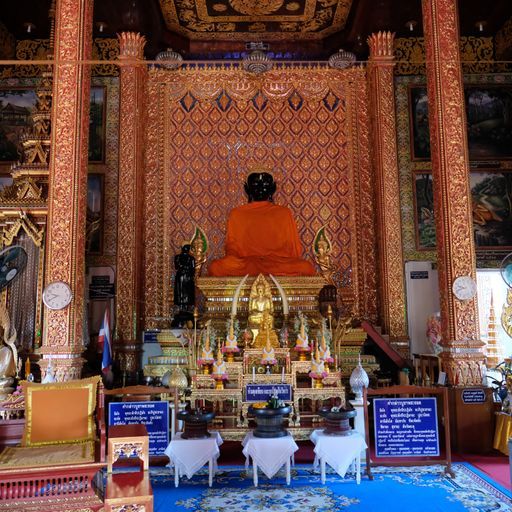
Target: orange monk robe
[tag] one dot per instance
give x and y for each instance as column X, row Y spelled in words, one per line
column 261, row 238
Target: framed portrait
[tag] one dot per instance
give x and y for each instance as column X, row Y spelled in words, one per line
column 491, row 193
column 97, row 125
column 424, row 222
column 418, row 121
column 489, row 115
column 16, row 106
column 95, row 214
column 491, row 203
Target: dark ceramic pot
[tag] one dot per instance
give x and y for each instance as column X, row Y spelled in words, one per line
column 337, row 423
column 196, row 424
column 269, row 422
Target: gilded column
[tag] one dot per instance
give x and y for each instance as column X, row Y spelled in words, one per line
column 65, row 245
column 389, row 232
column 462, row 355
column 130, row 214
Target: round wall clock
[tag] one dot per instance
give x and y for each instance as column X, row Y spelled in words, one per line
column 57, row 295
column 464, row 287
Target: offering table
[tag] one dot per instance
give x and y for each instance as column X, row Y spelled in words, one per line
column 269, row 454
column 188, row 456
column 339, row 452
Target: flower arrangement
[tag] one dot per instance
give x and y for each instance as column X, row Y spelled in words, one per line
column 274, row 402
column 233, row 330
column 208, row 346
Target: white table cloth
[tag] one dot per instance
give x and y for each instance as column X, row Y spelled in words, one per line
column 339, row 452
column 269, row 454
column 188, row 456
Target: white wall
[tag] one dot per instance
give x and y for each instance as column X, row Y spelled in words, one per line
column 422, row 291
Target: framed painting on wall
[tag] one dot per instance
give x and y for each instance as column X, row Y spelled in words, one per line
column 491, row 202
column 16, row 105
column 94, row 222
column 489, row 115
column 418, row 121
column 97, row 125
column 491, row 193
column 489, row 122
column 424, row 222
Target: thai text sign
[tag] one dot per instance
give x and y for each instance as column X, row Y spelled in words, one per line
column 473, row 396
column 262, row 392
column 406, row 427
column 155, row 415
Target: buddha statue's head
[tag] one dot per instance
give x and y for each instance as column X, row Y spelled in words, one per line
column 260, row 186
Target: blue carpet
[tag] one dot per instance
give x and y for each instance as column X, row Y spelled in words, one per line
column 420, row 489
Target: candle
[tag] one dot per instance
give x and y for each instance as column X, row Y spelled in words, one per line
column 253, row 374
column 335, row 363
column 282, row 374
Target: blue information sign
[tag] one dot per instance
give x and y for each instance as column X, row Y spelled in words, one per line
column 150, row 336
column 155, row 415
column 406, row 427
column 262, row 392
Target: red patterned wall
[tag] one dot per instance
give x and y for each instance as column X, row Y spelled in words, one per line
column 203, row 137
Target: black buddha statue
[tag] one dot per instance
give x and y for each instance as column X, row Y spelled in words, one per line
column 184, row 286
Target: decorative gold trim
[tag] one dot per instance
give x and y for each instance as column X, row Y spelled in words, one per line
column 320, row 18
column 23, row 222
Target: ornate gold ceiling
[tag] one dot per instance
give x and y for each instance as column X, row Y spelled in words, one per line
column 250, row 20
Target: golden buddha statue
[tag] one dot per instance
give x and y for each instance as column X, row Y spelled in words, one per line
column 266, row 334
column 8, row 353
column 260, row 303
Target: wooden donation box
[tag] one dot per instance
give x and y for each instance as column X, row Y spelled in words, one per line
column 472, row 419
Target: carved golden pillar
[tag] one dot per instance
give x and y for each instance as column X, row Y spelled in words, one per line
column 462, row 355
column 131, row 186
column 65, row 245
column 391, row 265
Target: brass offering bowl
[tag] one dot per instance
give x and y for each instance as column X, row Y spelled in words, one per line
column 337, row 422
column 196, row 423
column 269, row 421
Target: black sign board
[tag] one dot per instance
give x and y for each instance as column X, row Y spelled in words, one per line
column 419, row 274
column 101, row 288
column 473, row 396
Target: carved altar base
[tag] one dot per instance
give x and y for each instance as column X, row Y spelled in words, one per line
column 301, row 292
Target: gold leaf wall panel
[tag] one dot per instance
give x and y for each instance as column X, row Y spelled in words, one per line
column 206, row 128
column 477, row 55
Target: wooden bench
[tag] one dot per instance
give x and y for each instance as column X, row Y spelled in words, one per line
column 50, row 486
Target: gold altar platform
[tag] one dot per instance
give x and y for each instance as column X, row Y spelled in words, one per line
column 301, row 294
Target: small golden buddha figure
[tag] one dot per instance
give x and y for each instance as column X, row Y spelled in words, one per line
column 260, row 303
column 322, row 249
column 266, row 333
column 8, row 353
